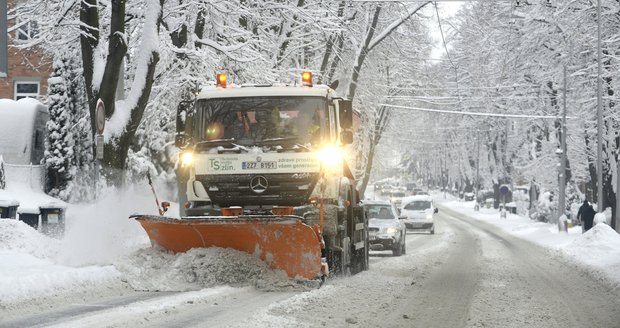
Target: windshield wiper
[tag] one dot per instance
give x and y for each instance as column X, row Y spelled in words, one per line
column 223, row 143
column 292, row 141
column 277, row 141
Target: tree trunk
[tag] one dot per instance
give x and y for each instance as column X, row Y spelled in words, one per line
column 89, row 38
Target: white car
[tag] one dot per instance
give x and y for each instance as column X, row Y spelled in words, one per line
column 418, row 213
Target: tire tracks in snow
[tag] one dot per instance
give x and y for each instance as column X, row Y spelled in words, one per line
column 526, row 285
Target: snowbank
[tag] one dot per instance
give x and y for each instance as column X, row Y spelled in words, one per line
column 18, row 237
column 29, row 272
column 599, row 247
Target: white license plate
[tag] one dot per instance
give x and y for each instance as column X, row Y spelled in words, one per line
column 259, row 165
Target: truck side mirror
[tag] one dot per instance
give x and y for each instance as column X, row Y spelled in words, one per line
column 180, row 139
column 345, row 113
column 182, row 111
column 436, row 210
column 346, row 137
column 184, row 123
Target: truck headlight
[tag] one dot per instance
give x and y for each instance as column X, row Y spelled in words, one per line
column 330, row 156
column 187, row 158
column 429, row 216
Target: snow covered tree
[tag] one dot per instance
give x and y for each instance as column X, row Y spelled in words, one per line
column 60, row 141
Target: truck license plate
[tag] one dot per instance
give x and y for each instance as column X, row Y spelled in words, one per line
column 259, row 165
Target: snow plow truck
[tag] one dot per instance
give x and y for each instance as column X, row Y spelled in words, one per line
column 264, row 170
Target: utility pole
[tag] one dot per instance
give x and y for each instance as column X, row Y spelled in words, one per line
column 477, row 167
column 562, row 196
column 617, row 227
column 599, row 117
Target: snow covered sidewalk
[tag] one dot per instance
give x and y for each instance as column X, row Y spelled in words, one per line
column 598, row 249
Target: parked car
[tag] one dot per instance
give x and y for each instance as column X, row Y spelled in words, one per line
column 418, row 213
column 469, row 196
column 385, row 230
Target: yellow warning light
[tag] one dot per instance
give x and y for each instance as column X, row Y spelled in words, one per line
column 306, row 79
column 221, row 80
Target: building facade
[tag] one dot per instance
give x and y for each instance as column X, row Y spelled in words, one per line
column 23, row 72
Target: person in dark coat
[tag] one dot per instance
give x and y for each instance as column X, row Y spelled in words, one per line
column 588, row 218
column 582, row 209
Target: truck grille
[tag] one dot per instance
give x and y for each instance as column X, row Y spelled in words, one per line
column 284, row 189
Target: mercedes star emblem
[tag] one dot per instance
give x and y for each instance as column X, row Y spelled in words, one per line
column 258, row 184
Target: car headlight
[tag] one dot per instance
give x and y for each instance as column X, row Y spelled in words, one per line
column 330, row 156
column 187, row 158
column 391, row 230
column 429, row 216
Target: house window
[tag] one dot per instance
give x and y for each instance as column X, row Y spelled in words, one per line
column 27, row 30
column 26, row 90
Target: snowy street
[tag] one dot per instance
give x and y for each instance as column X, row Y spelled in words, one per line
column 469, row 274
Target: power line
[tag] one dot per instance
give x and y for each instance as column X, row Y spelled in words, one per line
column 443, row 111
column 463, row 88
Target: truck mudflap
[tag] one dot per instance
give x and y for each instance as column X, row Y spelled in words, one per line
column 283, row 242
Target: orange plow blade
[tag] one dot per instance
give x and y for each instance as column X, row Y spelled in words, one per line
column 282, row 242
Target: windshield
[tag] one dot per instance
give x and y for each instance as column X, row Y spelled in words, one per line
column 418, row 205
column 252, row 120
column 380, row 212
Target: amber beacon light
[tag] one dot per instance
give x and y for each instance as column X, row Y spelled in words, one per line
column 306, row 79
column 221, row 80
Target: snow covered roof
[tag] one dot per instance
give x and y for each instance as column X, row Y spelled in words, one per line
column 29, row 201
column 17, row 124
column 264, row 91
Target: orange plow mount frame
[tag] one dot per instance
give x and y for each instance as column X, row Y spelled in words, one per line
column 282, row 242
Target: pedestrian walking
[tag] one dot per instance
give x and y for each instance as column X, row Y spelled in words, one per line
column 582, row 209
column 588, row 218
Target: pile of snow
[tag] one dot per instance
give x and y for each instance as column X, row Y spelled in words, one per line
column 28, row 270
column 155, row 270
column 18, row 237
column 601, row 218
column 600, row 236
column 598, row 247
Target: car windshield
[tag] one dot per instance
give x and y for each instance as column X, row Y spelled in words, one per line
column 418, row 205
column 256, row 120
column 380, row 212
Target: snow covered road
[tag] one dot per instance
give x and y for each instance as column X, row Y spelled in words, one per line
column 469, row 274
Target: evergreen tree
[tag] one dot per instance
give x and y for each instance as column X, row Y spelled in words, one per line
column 80, row 187
column 59, row 150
